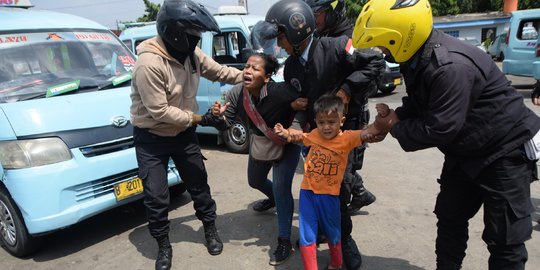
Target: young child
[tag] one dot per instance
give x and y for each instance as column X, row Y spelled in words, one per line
column 324, row 169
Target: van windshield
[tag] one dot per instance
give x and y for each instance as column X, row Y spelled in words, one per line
column 36, row 61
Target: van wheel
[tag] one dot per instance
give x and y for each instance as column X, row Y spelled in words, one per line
column 236, row 137
column 387, row 90
column 501, row 56
column 13, row 234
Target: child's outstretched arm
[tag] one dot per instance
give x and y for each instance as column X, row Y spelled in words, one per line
column 291, row 134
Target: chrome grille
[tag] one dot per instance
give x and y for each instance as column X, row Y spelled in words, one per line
column 101, row 187
column 107, row 147
column 395, row 69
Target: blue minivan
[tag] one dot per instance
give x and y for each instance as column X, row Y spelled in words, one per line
column 536, row 63
column 521, row 43
column 66, row 146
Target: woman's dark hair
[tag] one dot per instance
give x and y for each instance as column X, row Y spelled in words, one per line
column 271, row 64
column 328, row 103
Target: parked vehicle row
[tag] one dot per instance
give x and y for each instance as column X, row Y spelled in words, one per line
column 473, row 41
column 498, row 47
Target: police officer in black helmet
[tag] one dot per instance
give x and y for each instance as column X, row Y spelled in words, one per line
column 317, row 66
column 331, row 21
column 164, row 90
column 330, row 18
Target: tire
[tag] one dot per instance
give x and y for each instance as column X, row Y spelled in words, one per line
column 178, row 190
column 13, row 233
column 387, row 90
column 373, row 89
column 236, row 137
column 501, row 56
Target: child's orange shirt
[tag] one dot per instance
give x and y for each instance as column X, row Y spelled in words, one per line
column 327, row 160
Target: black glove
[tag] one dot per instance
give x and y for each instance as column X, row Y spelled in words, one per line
column 219, row 122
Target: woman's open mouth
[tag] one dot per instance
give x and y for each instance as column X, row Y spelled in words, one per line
column 247, row 80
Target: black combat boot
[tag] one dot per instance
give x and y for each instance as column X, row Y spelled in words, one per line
column 352, row 259
column 213, row 243
column 360, row 200
column 164, row 257
column 360, row 195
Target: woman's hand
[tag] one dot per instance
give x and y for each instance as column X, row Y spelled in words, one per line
column 217, row 109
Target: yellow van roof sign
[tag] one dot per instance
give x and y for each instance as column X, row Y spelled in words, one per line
column 16, row 3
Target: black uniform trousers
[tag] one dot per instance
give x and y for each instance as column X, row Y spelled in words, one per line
column 503, row 188
column 153, row 153
column 351, row 179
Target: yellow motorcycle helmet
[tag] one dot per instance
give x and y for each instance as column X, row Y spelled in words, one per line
column 401, row 26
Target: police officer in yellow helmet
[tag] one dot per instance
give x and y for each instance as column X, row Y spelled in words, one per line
column 459, row 101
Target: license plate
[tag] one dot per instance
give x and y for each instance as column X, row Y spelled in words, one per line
column 397, row 81
column 128, row 188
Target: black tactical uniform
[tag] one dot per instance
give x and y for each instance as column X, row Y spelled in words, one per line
column 459, row 101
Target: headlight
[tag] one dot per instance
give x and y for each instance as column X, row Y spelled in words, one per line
column 387, row 69
column 31, row 153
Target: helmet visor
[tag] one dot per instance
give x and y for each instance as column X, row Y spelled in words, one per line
column 318, row 9
column 263, row 35
column 192, row 32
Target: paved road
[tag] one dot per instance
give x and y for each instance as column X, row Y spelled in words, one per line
column 397, row 232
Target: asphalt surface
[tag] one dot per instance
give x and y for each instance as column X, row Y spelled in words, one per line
column 397, row 232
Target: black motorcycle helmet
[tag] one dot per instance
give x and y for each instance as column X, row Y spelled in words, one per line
column 180, row 23
column 294, row 18
column 335, row 10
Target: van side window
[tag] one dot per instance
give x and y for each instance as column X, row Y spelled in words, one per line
column 226, row 47
column 137, row 43
column 528, row 29
column 128, row 43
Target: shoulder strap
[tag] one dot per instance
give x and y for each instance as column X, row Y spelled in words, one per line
column 257, row 119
